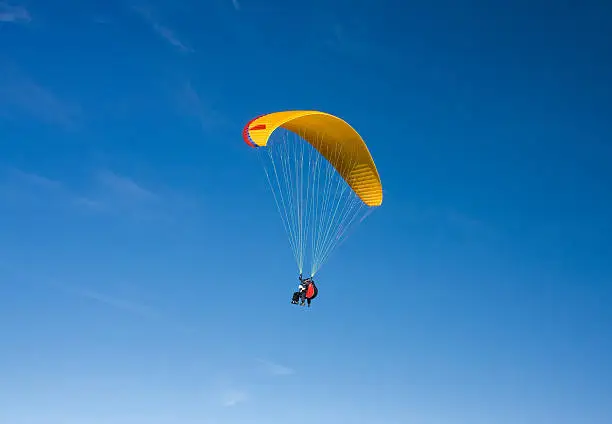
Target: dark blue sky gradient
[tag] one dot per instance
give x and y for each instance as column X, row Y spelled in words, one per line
column 145, row 275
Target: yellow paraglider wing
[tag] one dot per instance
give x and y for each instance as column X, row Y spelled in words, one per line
column 333, row 138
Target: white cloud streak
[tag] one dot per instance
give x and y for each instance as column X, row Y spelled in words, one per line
column 123, row 186
column 276, row 369
column 357, row 42
column 21, row 95
column 107, row 192
column 133, row 308
column 233, row 397
column 14, row 14
column 121, row 304
column 35, row 179
column 120, row 195
column 26, row 188
column 163, row 31
column 236, row 4
column 191, row 103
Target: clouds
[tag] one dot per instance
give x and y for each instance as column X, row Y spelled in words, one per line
column 116, row 303
column 354, row 40
column 17, row 14
column 231, row 392
column 233, row 397
column 117, row 194
column 13, row 14
column 20, row 95
column 105, row 191
column 34, row 180
column 131, row 305
column 30, row 190
column 163, row 31
column 123, row 186
column 190, row 103
column 137, row 309
column 275, row 369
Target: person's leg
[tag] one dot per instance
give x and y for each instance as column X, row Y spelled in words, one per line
column 296, row 297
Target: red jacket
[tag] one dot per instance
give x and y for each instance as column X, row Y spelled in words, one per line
column 311, row 291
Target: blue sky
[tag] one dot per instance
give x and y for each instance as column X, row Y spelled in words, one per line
column 144, row 273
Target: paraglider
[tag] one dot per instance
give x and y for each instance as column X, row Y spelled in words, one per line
column 307, row 291
column 323, row 179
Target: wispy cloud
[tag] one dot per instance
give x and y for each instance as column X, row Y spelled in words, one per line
column 276, row 369
column 21, row 95
column 341, row 39
column 354, row 40
column 102, row 19
column 120, row 195
column 121, row 304
column 137, row 309
column 163, row 31
column 19, row 187
column 106, row 192
column 233, row 397
column 35, row 179
column 123, row 186
column 15, row 14
column 236, row 4
column 192, row 103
